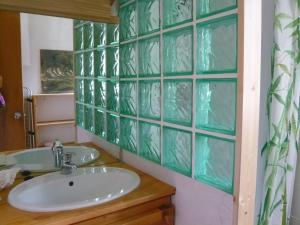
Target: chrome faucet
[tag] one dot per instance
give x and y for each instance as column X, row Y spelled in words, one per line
column 58, row 151
column 67, row 166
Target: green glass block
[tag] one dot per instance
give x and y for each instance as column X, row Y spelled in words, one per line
column 100, row 93
column 149, row 99
column 99, row 34
column 148, row 11
column 177, row 154
column 149, row 57
column 122, row 1
column 128, row 134
column 214, row 162
column 89, row 119
column 89, row 91
column 112, row 61
column 128, row 24
column 177, row 12
column 217, row 46
column 79, row 39
column 100, row 123
column 128, row 97
column 178, row 101
column 88, row 35
column 216, row 105
column 89, row 64
column 149, row 141
column 80, row 115
column 113, row 128
column 79, row 65
column 79, row 87
column 112, row 33
column 113, row 96
column 207, row 8
column 100, row 62
column 77, row 22
column 128, row 60
column 178, row 52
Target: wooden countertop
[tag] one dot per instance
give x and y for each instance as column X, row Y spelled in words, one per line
column 150, row 189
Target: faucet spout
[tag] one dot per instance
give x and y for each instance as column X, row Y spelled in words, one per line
column 67, row 166
column 57, row 150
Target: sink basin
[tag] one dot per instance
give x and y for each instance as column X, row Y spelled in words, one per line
column 42, row 159
column 85, row 187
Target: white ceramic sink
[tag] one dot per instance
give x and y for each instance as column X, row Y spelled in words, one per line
column 85, row 187
column 42, row 159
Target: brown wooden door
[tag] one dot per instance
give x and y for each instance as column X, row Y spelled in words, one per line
column 12, row 130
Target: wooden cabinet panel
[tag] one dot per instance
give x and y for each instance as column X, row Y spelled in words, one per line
column 95, row 10
column 157, row 212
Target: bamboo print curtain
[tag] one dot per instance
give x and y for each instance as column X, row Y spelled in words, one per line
column 283, row 111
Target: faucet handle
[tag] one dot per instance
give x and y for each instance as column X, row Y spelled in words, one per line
column 57, row 143
column 67, row 157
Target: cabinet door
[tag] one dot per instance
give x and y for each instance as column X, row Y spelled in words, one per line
column 12, row 129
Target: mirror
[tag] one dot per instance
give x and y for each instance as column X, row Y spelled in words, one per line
column 36, row 62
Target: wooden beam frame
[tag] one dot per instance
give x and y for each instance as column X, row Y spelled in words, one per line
column 93, row 10
column 249, row 76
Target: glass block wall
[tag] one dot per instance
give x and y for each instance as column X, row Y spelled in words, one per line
column 167, row 91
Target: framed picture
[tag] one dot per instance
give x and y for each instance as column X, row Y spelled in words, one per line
column 57, row 75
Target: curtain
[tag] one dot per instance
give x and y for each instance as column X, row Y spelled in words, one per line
column 283, row 112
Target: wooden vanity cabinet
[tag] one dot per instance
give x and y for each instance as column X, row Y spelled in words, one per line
column 149, row 204
column 157, row 212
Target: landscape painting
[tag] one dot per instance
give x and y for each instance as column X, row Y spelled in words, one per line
column 57, row 75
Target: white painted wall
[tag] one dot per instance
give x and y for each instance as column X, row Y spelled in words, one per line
column 266, row 52
column 195, row 203
column 42, row 32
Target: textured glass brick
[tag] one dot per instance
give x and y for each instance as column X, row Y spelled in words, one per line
column 89, row 118
column 122, row 1
column 148, row 11
column 178, row 52
column 128, row 97
column 149, row 141
column 149, row 99
column 100, row 123
column 79, row 65
column 100, row 93
column 89, row 64
column 79, row 87
column 113, row 128
column 88, row 35
column 177, row 154
column 80, row 115
column 177, row 12
column 112, row 33
column 100, row 62
column 128, row 135
column 79, row 38
column 113, row 96
column 99, row 34
column 207, row 8
column 89, row 91
column 217, row 46
column 214, row 162
column 216, row 105
column 112, row 61
column 128, row 60
column 178, row 101
column 77, row 22
column 149, row 57
column 128, row 25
